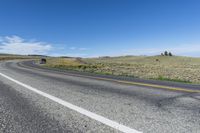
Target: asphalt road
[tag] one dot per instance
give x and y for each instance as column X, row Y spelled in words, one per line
column 36, row 100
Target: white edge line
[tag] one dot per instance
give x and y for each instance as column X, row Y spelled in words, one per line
column 85, row 112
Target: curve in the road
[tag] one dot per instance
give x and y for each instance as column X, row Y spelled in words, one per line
column 167, row 85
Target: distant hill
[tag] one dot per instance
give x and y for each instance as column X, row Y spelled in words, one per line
column 38, row 55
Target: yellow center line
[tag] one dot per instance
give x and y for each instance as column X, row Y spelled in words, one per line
column 133, row 83
column 145, row 84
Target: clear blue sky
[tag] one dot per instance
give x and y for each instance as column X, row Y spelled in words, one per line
column 100, row 27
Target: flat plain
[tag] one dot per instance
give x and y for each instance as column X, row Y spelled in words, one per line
column 171, row 68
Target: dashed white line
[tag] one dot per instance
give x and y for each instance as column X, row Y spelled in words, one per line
column 85, row 112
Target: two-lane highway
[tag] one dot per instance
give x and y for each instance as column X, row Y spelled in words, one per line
column 35, row 100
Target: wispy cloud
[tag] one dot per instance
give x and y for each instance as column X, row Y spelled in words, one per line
column 18, row 45
column 70, row 55
column 72, row 48
column 79, row 49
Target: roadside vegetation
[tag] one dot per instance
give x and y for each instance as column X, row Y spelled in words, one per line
column 170, row 68
column 4, row 57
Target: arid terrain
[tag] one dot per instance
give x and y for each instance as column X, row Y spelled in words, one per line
column 174, row 68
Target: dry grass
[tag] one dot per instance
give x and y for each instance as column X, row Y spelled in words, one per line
column 62, row 62
column 3, row 58
column 175, row 68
